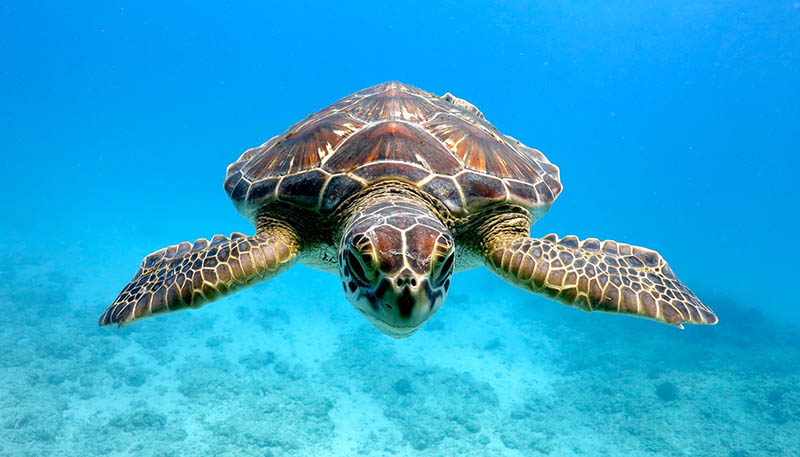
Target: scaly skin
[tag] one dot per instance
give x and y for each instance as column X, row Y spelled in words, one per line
column 396, row 259
column 383, row 186
column 189, row 275
column 591, row 274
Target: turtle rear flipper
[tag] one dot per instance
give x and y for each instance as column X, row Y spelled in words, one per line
column 189, row 275
column 598, row 275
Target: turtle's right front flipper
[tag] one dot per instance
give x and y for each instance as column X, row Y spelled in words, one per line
column 189, row 275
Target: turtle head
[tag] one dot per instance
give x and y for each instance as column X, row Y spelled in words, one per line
column 396, row 261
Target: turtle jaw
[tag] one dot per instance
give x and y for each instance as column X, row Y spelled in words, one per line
column 398, row 307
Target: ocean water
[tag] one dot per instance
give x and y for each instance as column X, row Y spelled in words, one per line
column 675, row 125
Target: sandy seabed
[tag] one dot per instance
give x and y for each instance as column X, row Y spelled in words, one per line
column 289, row 369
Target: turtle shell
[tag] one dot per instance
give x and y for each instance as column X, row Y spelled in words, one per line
column 392, row 131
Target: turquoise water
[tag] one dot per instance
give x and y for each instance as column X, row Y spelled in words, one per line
column 675, row 126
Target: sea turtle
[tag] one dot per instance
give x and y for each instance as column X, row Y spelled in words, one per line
column 394, row 189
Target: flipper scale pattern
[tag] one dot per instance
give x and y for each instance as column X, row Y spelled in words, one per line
column 189, row 275
column 599, row 275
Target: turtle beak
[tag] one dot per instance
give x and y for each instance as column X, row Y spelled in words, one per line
column 400, row 305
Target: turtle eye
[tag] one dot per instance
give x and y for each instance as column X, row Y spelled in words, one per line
column 354, row 262
column 445, row 271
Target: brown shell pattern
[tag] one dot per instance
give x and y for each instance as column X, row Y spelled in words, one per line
column 442, row 145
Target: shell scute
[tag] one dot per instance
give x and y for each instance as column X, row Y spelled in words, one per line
column 481, row 191
column 544, row 192
column 303, row 149
column 393, row 104
column 444, row 145
column 339, row 187
column 262, row 190
column 393, row 141
column 378, row 170
column 446, row 191
column 521, row 191
column 232, row 181
column 240, row 190
column 302, row 189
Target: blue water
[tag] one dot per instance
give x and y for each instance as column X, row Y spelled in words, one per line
column 675, row 125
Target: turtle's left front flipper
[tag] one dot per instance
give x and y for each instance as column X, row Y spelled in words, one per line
column 595, row 275
column 189, row 275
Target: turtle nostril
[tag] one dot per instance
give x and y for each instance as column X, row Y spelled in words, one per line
column 403, row 281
